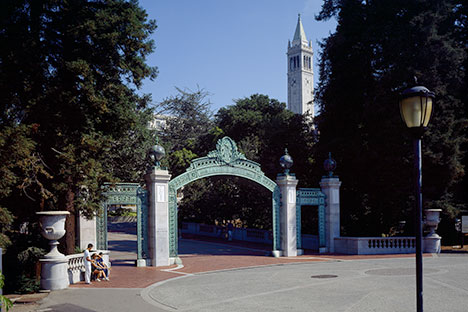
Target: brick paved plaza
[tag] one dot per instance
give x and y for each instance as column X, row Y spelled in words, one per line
column 217, row 276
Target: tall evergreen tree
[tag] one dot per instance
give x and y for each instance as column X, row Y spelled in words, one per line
column 70, row 68
column 376, row 50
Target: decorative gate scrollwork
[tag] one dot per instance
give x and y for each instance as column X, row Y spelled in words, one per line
column 225, row 160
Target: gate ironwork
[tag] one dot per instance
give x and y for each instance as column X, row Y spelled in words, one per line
column 125, row 194
column 311, row 197
column 225, row 160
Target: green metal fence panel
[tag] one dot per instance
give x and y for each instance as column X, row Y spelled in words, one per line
column 310, row 197
column 101, row 228
column 124, row 194
column 142, row 223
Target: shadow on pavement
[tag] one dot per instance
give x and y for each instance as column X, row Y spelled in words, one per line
column 198, row 245
column 125, row 227
column 67, row 307
column 123, row 262
column 123, row 245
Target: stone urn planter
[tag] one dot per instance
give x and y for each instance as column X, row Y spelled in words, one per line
column 53, row 228
column 432, row 220
column 54, row 265
column 432, row 239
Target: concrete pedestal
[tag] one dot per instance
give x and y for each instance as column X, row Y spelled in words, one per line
column 331, row 188
column 276, row 253
column 158, row 216
column 431, row 243
column 288, row 232
column 141, row 262
column 54, row 275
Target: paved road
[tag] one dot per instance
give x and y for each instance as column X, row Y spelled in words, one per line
column 357, row 285
column 326, row 285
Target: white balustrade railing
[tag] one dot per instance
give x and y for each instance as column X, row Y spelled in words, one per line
column 76, row 266
column 375, row 245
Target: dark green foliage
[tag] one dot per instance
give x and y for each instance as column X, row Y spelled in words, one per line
column 28, row 261
column 227, row 198
column 377, row 48
column 262, row 129
column 4, row 301
column 21, row 173
column 21, row 260
column 68, row 71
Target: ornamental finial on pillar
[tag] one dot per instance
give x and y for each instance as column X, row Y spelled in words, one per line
column 329, row 165
column 156, row 153
column 286, row 162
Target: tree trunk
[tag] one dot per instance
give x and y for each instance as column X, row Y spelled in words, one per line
column 70, row 223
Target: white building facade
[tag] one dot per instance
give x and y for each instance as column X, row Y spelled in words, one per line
column 300, row 73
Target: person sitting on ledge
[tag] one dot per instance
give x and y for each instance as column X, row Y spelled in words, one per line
column 98, row 271
column 105, row 268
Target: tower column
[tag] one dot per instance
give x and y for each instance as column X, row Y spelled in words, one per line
column 300, row 73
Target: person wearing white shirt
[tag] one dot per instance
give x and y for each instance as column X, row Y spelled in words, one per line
column 87, row 262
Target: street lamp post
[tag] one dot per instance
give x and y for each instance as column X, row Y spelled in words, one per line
column 416, row 109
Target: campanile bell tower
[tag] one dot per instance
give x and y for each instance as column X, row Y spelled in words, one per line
column 300, row 73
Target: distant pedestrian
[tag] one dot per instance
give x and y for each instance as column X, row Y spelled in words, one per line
column 230, row 229
column 219, row 231
column 87, row 262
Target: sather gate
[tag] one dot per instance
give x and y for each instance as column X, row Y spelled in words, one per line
column 157, row 228
column 225, row 160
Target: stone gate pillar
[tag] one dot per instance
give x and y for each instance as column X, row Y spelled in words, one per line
column 288, row 227
column 158, row 216
column 331, row 188
column 86, row 231
column 288, row 230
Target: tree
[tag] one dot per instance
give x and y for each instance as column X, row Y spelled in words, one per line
column 21, row 173
column 77, row 88
column 376, row 50
column 262, row 128
column 188, row 119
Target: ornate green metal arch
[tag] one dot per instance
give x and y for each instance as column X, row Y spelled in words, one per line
column 225, row 160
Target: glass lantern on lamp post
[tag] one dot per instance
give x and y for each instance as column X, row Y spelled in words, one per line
column 416, row 110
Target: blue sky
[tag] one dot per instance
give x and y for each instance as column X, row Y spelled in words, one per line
column 231, row 49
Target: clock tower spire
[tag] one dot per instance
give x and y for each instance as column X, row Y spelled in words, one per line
column 300, row 73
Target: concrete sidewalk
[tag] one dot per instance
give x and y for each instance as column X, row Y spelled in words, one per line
column 356, row 285
column 333, row 285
